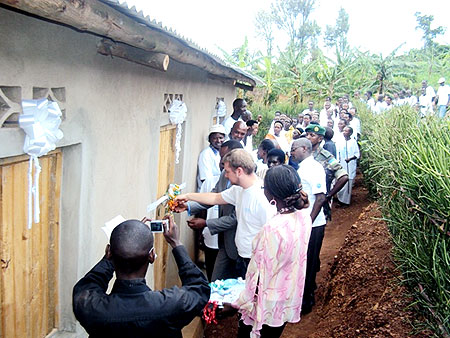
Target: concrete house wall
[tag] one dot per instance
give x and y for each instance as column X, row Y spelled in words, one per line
column 111, row 131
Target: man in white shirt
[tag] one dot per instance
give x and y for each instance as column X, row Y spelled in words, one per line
column 239, row 108
column 442, row 99
column 209, row 158
column 429, row 91
column 370, row 101
column 347, row 155
column 380, row 106
column 252, row 130
column 355, row 123
column 426, row 103
column 252, row 208
column 312, row 175
column 310, row 110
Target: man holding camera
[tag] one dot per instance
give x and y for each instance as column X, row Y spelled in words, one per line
column 132, row 309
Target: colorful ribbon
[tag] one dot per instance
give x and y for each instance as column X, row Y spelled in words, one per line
column 173, row 191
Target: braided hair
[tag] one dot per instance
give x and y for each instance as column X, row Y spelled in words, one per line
column 284, row 184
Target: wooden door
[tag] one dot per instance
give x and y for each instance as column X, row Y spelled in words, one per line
column 166, row 173
column 29, row 257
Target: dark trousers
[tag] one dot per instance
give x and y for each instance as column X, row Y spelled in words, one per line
column 241, row 266
column 266, row 331
column 312, row 266
column 210, row 260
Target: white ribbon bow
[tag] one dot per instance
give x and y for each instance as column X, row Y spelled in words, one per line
column 177, row 115
column 40, row 121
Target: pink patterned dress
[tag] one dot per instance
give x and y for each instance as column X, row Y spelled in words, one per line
column 275, row 277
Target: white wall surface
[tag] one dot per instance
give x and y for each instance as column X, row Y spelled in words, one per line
column 111, row 132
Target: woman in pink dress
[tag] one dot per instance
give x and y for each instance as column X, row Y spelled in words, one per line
column 275, row 277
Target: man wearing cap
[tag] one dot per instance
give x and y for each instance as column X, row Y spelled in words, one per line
column 442, row 99
column 333, row 169
column 209, row 158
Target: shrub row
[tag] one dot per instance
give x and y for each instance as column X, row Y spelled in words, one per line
column 406, row 166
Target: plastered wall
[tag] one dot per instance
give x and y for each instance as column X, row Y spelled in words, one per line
column 111, row 130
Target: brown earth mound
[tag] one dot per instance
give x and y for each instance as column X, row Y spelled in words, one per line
column 362, row 296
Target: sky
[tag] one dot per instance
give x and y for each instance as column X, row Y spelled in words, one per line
column 375, row 26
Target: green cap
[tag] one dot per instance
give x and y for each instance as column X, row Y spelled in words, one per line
column 315, row 128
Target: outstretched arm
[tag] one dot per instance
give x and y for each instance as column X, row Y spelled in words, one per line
column 210, row 198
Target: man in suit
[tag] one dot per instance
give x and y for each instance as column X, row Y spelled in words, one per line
column 225, row 225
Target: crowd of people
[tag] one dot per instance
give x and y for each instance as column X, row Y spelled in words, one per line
column 425, row 102
column 267, row 207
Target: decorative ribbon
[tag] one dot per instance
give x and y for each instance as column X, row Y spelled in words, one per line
column 40, row 121
column 177, row 115
column 209, row 312
column 173, row 191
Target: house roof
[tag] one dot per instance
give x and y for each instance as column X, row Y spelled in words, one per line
column 122, row 6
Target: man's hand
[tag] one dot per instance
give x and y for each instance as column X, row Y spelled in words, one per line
column 179, row 206
column 172, row 234
column 182, row 199
column 196, row 223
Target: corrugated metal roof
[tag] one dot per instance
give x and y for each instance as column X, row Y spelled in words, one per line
column 123, row 7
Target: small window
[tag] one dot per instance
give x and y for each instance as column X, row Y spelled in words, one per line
column 10, row 107
column 168, row 99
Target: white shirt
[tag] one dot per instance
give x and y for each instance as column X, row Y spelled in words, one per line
column 253, row 210
column 249, row 146
column 380, row 107
column 228, row 123
column 355, row 123
column 371, row 104
column 430, row 92
column 426, row 105
column 313, row 180
column 443, row 92
column 346, row 149
column 211, row 241
column 412, row 100
column 208, row 165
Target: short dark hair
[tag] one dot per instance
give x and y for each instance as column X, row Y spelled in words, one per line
column 329, row 133
column 283, row 183
column 130, row 244
column 280, row 122
column 232, row 144
column 250, row 123
column 307, row 115
column 237, row 102
column 281, row 156
column 266, row 145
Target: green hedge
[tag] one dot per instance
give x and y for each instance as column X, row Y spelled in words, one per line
column 406, row 166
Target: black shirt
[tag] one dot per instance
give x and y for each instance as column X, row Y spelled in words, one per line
column 132, row 309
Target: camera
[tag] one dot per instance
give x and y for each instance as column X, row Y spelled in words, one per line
column 159, row 225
